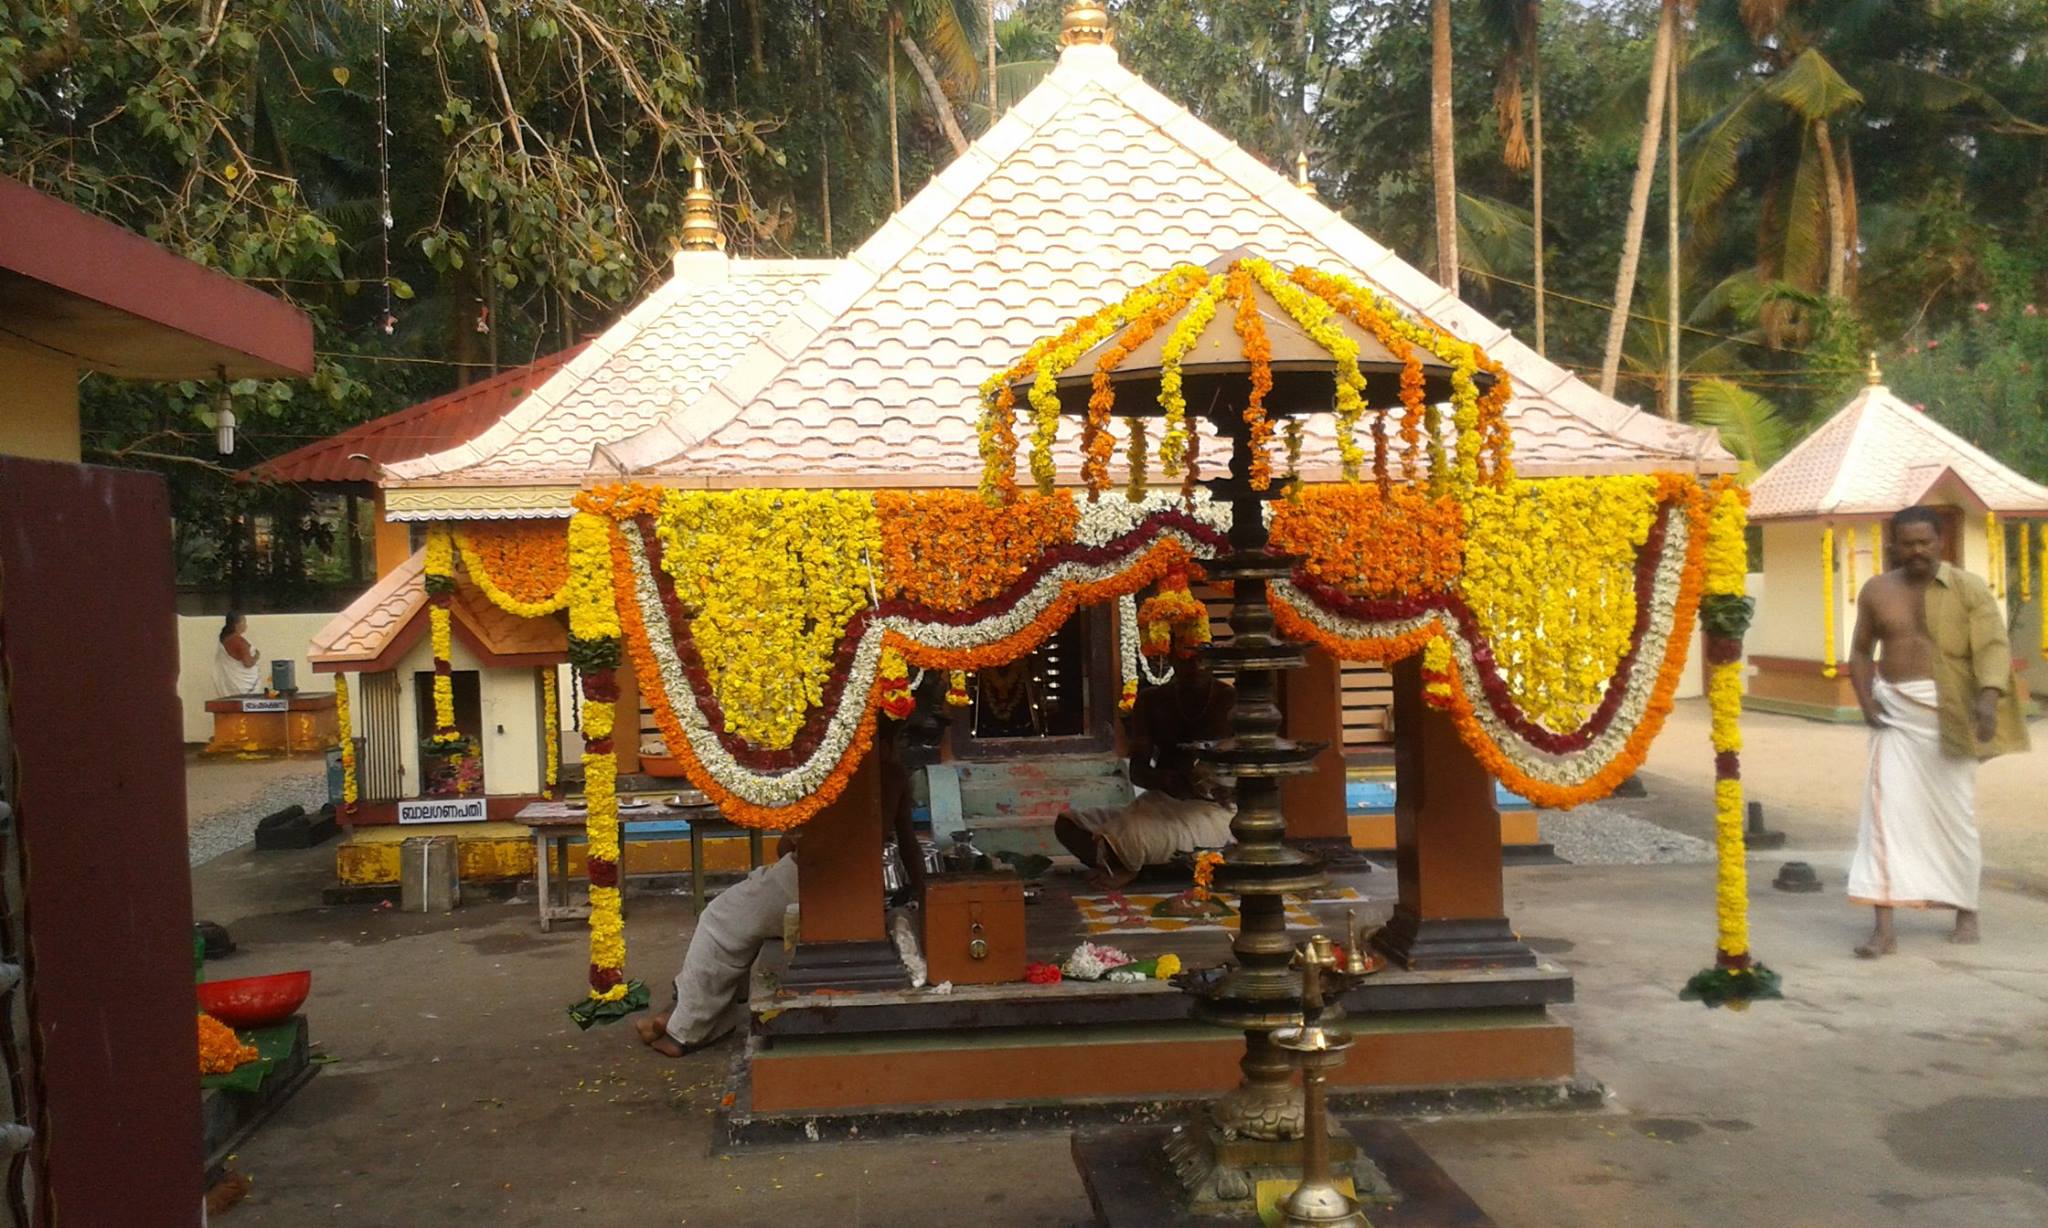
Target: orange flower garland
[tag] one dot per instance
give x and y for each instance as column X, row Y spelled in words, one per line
column 1258, row 350
column 1096, row 442
column 1355, row 539
column 521, row 565
column 945, row 549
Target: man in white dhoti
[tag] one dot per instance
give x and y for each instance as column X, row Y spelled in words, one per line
column 1183, row 808
column 735, row 925
column 1932, row 667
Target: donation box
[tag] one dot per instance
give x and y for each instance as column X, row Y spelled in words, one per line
column 974, row 928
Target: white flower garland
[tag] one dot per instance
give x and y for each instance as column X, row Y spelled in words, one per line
column 1565, row 770
column 786, row 788
column 1106, row 520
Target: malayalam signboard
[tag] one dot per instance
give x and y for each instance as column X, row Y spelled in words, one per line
column 266, row 705
column 441, row 810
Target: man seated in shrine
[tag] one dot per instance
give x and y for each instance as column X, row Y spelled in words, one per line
column 730, row 933
column 1183, row 808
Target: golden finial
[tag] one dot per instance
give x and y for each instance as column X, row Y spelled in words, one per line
column 1873, row 377
column 700, row 213
column 1086, row 23
column 1301, row 179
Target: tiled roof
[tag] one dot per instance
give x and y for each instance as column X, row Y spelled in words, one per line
column 1878, row 455
column 379, row 619
column 454, row 418
column 1090, row 185
column 657, row 358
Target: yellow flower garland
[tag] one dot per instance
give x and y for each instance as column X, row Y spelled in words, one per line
column 1550, row 575
column 1827, row 602
column 1726, row 577
column 440, row 632
column 1994, row 566
column 440, row 560
column 1849, row 564
column 2026, row 571
column 1318, row 318
column 551, row 726
column 1173, row 441
column 593, row 611
column 770, row 580
column 348, row 743
column 1134, row 454
column 1465, row 416
column 480, row 575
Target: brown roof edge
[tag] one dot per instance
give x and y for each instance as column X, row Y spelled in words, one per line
column 64, row 247
column 445, row 421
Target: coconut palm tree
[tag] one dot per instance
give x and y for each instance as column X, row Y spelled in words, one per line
column 1639, row 194
column 1517, row 23
column 1442, row 144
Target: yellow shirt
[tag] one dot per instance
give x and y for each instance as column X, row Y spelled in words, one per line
column 1972, row 653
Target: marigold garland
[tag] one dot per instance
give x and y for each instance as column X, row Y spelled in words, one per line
column 1174, row 439
column 1550, row 571
column 1258, row 351
column 944, row 548
column 521, row 565
column 595, row 630
column 440, row 586
column 1314, row 314
column 1849, row 564
column 1135, row 462
column 1144, row 313
column 551, row 728
column 2026, row 571
column 346, row 730
column 1827, row 602
column 957, row 694
column 897, row 701
column 1437, row 667
column 1371, row 543
column 1735, row 978
column 1995, row 562
column 769, row 580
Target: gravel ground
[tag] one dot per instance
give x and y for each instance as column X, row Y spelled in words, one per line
column 1602, row 834
column 226, row 830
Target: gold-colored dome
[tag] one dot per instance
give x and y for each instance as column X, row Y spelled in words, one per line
column 700, row 213
column 1085, row 23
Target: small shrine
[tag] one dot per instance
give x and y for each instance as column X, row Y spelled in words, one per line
column 1823, row 511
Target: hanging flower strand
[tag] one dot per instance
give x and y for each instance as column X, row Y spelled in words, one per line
column 1173, row 440
column 1258, row 351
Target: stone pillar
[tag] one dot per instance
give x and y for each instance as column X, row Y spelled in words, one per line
column 1314, row 702
column 842, row 938
column 1450, row 912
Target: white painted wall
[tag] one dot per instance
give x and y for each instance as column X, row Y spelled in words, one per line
column 1788, row 624
column 510, row 700
column 276, row 636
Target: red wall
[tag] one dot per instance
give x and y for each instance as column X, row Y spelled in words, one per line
column 86, row 599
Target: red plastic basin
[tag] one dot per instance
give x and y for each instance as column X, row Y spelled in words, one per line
column 255, row 1001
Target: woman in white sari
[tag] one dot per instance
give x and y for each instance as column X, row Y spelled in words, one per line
column 234, row 661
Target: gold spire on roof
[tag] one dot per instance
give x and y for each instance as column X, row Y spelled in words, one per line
column 700, row 213
column 1873, row 377
column 1086, row 23
column 1301, row 179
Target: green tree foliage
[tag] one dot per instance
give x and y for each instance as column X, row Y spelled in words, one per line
column 1857, row 173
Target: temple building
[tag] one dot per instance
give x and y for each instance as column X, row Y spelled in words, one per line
column 865, row 374
column 1822, row 512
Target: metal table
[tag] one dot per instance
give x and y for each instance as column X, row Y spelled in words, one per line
column 555, row 825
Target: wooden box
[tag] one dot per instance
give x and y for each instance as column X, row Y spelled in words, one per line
column 974, row 928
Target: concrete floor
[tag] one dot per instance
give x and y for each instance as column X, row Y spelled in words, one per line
column 1913, row 1091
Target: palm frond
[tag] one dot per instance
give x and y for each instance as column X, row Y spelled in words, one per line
column 1811, row 87
column 1749, row 424
column 1715, row 152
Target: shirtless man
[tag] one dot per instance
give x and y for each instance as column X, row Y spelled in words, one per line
column 1931, row 663
column 1182, row 809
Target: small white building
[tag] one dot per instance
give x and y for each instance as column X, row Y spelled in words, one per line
column 1876, row 456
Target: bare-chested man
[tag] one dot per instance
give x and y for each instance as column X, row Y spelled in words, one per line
column 1182, row 809
column 1932, row 667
